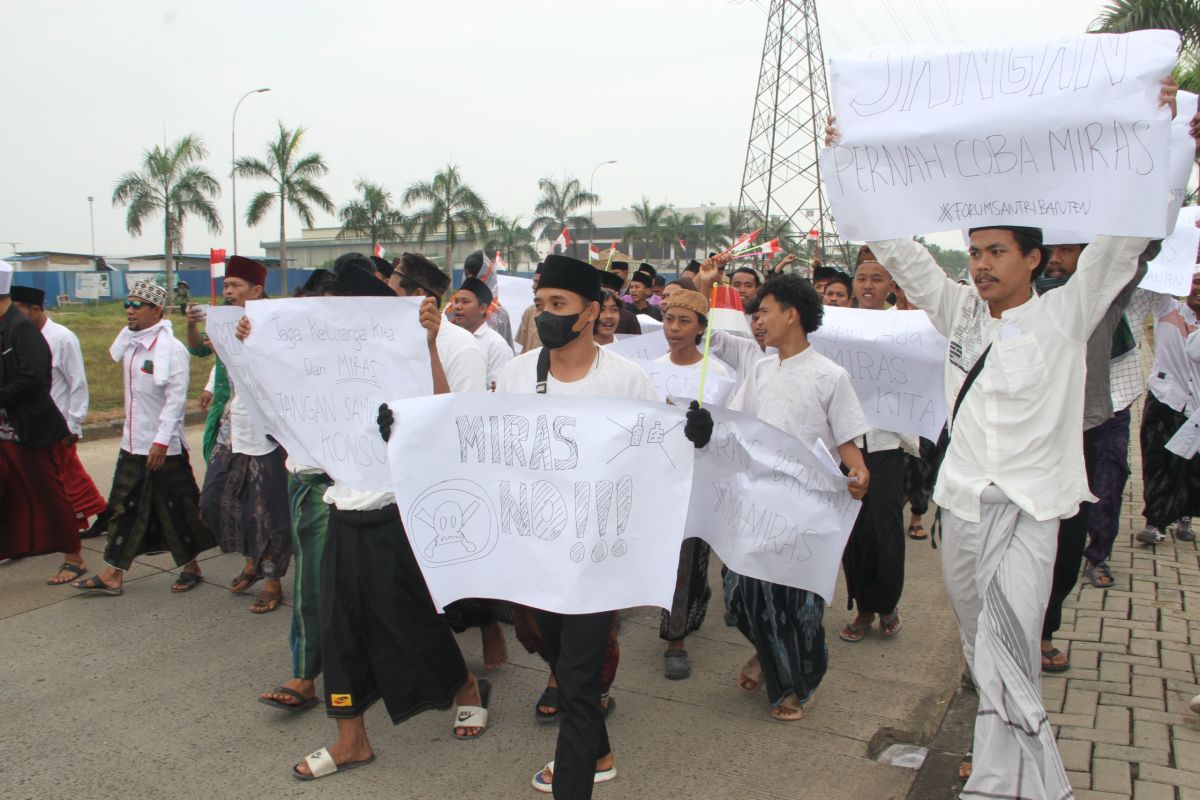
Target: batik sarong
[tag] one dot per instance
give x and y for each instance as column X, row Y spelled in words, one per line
column 245, row 503
column 689, row 604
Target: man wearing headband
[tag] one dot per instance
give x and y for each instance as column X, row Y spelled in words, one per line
column 569, row 362
column 154, row 499
column 470, row 310
column 69, row 390
column 37, row 514
column 245, row 499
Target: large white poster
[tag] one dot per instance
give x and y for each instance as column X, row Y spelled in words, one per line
column 672, row 380
column 896, row 361
column 565, row 503
column 1055, row 133
column 317, row 369
column 768, row 507
column 641, row 347
column 1171, row 272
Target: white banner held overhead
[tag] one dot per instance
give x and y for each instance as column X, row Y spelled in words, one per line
column 768, row 507
column 896, row 361
column 1055, row 133
column 565, row 503
column 1171, row 273
column 318, row 369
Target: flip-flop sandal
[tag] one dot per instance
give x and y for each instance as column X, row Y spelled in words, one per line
column 853, row 633
column 186, row 582
column 266, row 602
column 743, row 679
column 677, row 665
column 75, row 570
column 1095, row 572
column 610, row 707
column 892, row 621
column 302, row 703
column 966, row 765
column 474, row 716
column 1048, row 664
column 801, row 711
column 321, row 764
column 917, row 532
column 549, row 699
column 546, row 787
column 245, row 576
column 94, row 584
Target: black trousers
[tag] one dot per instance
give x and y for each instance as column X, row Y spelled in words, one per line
column 575, row 646
column 1072, row 539
column 1170, row 484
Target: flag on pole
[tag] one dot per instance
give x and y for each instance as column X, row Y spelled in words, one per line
column 379, row 251
column 814, row 234
column 593, row 253
column 725, row 311
column 563, row 241
column 742, row 242
column 499, row 262
column 682, row 244
column 216, row 263
column 769, row 249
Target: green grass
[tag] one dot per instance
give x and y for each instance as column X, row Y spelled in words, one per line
column 97, row 326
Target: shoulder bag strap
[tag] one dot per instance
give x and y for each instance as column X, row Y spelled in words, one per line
column 970, row 379
column 543, row 369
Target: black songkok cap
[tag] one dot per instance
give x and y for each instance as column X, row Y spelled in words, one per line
column 646, row 268
column 564, row 272
column 611, row 280
column 424, row 273
column 27, row 295
column 383, row 266
column 478, row 288
column 693, row 266
column 355, row 259
column 316, row 282
column 538, row 271
column 473, row 264
column 619, row 265
column 823, row 273
column 354, row 281
column 642, row 278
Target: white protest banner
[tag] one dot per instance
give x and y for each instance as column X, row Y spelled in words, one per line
column 516, row 295
column 1171, row 273
column 896, row 361
column 640, row 346
column 566, row 503
column 317, row 370
column 1183, row 152
column 768, row 507
column 684, row 382
column 1049, row 133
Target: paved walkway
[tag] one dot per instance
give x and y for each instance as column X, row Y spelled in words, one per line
column 152, row 695
column 1121, row 711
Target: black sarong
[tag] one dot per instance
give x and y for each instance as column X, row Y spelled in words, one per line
column 874, row 555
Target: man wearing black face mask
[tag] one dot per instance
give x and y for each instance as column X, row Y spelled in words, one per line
column 569, row 362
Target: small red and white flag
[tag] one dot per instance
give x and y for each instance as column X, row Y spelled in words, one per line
column 379, row 251
column 769, row 249
column 216, row 263
column 743, row 242
column 682, row 244
column 814, row 234
column 725, row 311
column 499, row 263
column 593, row 252
column 563, row 241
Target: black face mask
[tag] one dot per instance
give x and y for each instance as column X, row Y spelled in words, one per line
column 556, row 330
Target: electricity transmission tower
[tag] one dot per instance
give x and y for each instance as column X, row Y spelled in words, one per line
column 781, row 182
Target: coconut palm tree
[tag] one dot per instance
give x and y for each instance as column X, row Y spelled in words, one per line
column 710, row 234
column 453, row 207
column 556, row 208
column 678, row 228
column 513, row 240
column 371, row 215
column 647, row 227
column 170, row 181
column 739, row 221
column 294, row 176
column 1183, row 16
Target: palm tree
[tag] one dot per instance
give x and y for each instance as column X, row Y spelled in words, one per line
column 711, row 234
column 740, row 221
column 453, row 206
column 555, row 209
column 513, row 240
column 293, row 175
column 677, row 228
column 170, row 181
column 1182, row 16
column 372, row 215
column 647, row 227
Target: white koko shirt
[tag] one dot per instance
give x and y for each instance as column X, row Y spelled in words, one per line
column 153, row 413
column 1020, row 426
column 68, row 385
column 495, row 350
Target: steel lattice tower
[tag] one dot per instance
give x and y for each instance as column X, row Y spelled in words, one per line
column 782, row 176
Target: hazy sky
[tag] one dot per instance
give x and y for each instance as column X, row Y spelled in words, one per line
column 391, row 91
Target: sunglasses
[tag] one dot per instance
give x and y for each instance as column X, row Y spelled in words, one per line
column 135, row 304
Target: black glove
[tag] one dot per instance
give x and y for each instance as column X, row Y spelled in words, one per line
column 384, row 421
column 699, row 427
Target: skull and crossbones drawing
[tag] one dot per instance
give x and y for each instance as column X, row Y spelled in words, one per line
column 447, row 524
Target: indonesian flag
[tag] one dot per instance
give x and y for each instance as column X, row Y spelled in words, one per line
column 725, row 311
column 499, row 262
column 216, row 263
column 563, row 241
column 682, row 244
column 593, row 253
column 379, row 251
column 743, row 242
column 769, row 249
column 814, row 234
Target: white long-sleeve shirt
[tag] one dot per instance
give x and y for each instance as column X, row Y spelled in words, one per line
column 1020, row 426
column 1174, row 378
column 497, row 351
column 154, row 414
column 68, row 384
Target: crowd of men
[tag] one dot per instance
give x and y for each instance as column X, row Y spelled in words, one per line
column 1041, row 373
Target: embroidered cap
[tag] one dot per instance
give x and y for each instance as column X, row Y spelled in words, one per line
column 150, row 292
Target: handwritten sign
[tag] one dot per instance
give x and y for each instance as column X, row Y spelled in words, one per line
column 672, row 380
column 314, row 371
column 1183, row 152
column 1050, row 133
column 1171, row 273
column 516, row 295
column 643, row 346
column 895, row 360
column 565, row 503
column 768, row 507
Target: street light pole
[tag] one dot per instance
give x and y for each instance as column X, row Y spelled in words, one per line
column 233, row 159
column 92, row 220
column 592, row 205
